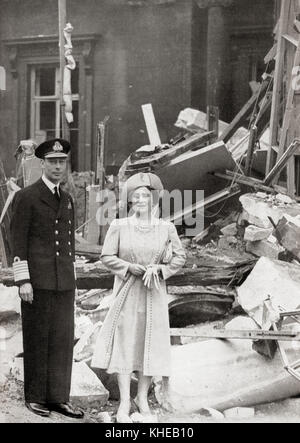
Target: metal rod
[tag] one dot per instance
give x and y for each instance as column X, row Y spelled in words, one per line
column 237, row 335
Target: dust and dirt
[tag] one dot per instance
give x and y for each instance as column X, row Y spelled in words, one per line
column 13, row 410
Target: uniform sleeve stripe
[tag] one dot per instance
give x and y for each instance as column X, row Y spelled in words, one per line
column 21, row 271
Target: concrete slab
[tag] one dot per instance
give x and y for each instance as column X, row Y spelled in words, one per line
column 230, row 230
column 86, row 389
column 270, row 278
column 198, row 164
column 265, row 248
column 254, row 233
column 288, row 230
column 258, row 209
column 225, row 374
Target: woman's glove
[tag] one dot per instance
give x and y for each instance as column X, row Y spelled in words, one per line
column 152, row 274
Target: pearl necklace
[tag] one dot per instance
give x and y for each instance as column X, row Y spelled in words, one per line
column 144, row 228
column 138, row 226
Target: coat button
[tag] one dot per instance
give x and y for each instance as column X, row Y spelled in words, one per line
column 70, row 222
column 56, row 232
column 57, row 254
column 56, row 222
column 69, row 243
column 70, row 233
column 70, row 254
column 57, row 243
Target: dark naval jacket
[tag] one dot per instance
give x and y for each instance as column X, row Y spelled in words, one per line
column 43, row 235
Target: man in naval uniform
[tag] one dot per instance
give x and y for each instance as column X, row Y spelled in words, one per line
column 43, row 240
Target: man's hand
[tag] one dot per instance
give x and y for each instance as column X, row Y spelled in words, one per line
column 137, row 270
column 26, row 293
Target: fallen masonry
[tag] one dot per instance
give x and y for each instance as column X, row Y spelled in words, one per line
column 273, row 280
column 225, row 374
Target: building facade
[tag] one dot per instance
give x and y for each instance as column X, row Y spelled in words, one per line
column 171, row 53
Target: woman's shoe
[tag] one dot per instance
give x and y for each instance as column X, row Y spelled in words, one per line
column 139, row 409
column 122, row 417
column 147, row 415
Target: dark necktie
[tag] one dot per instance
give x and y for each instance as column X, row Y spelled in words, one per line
column 56, row 194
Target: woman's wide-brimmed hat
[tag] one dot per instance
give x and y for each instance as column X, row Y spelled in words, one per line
column 140, row 180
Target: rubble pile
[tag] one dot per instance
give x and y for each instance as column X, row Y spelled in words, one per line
column 270, row 220
column 268, row 229
column 243, row 259
column 10, row 330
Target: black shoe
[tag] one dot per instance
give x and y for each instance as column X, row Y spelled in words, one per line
column 67, row 410
column 38, row 409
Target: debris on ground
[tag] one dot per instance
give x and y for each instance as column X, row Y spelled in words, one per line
column 236, row 301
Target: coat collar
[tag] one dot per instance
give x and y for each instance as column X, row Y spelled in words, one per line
column 48, row 197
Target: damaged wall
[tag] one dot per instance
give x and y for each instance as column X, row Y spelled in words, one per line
column 151, row 53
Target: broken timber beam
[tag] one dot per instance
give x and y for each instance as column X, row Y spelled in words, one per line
column 157, row 161
column 251, row 148
column 212, row 200
column 101, row 278
column 227, row 334
column 282, row 162
column 246, row 181
column 278, row 80
column 245, row 112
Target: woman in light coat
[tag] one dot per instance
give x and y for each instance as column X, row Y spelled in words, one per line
column 135, row 336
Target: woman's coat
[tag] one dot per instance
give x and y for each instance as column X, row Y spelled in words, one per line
column 136, row 333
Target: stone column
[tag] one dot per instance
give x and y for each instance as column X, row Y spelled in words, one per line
column 218, row 52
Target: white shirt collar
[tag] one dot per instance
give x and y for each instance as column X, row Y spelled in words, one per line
column 50, row 185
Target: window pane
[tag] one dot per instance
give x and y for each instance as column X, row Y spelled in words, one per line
column 45, row 81
column 47, row 116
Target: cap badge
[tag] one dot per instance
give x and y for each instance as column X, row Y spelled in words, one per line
column 58, row 147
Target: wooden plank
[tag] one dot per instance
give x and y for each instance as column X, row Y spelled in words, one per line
column 206, row 203
column 289, row 106
column 151, row 125
column 101, row 278
column 3, row 255
column 251, row 148
column 271, row 54
column 246, row 181
column 281, row 164
column 101, row 135
column 236, row 334
column 190, row 171
column 100, row 175
column 163, row 158
column 88, row 251
column 213, row 117
column 93, row 228
column 245, row 112
column 278, row 79
column 291, row 39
